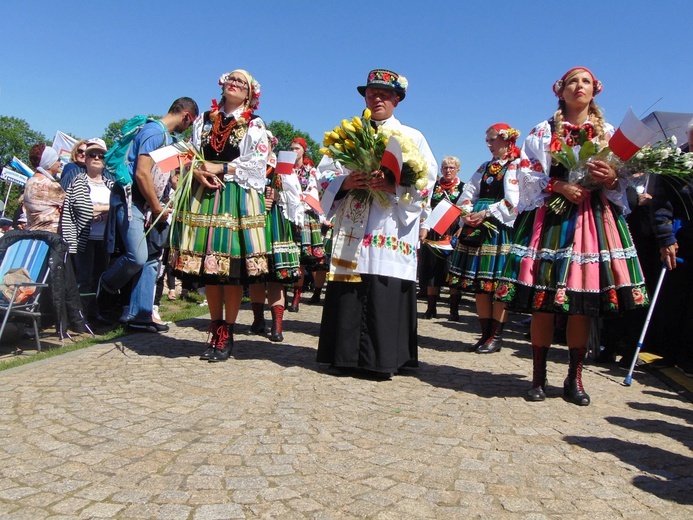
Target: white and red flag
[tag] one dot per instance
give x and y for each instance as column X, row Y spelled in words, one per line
column 170, row 157
column 309, row 198
column 285, row 163
column 392, row 158
column 632, row 135
column 444, row 214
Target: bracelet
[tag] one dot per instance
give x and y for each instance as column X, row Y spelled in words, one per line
column 226, row 168
column 550, row 186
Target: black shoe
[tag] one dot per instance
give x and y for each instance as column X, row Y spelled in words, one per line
column 100, row 321
column 222, row 351
column 277, row 337
column 221, row 354
column 536, row 394
column 490, row 347
column 260, row 328
column 148, row 326
column 573, row 393
column 208, row 353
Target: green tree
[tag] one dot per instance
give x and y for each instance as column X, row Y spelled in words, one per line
column 16, row 139
column 285, row 132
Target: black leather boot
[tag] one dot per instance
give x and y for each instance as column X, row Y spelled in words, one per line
column 431, row 311
column 454, row 307
column 315, row 299
column 485, row 333
column 294, row 304
column 213, row 333
column 537, row 392
column 494, row 342
column 573, row 390
column 277, row 323
column 222, row 349
column 258, row 326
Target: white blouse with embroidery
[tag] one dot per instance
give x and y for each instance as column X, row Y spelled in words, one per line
column 391, row 235
column 535, row 163
column 251, row 165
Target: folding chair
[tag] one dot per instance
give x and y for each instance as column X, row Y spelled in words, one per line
column 31, row 254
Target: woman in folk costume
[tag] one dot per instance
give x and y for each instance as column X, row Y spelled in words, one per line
column 219, row 238
column 284, row 211
column 572, row 252
column 309, row 235
column 434, row 263
column 490, row 196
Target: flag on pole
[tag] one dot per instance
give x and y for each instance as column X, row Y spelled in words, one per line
column 21, row 167
column 12, row 176
column 392, row 158
column 314, row 203
column 63, row 144
column 285, row 162
column 444, row 214
column 632, row 135
column 170, row 157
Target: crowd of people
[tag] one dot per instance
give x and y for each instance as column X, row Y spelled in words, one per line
column 530, row 239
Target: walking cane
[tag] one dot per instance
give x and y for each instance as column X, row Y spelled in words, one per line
column 629, row 378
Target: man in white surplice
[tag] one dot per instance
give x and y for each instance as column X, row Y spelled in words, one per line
column 369, row 317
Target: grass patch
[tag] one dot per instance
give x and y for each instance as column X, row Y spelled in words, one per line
column 173, row 311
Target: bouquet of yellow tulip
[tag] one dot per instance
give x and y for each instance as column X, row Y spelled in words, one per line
column 358, row 146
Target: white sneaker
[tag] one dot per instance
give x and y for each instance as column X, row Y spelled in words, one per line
column 156, row 317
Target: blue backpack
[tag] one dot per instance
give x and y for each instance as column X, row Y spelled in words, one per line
column 116, row 159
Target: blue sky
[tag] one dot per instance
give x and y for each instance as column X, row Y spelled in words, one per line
column 77, row 66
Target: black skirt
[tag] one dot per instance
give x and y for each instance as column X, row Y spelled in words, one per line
column 370, row 324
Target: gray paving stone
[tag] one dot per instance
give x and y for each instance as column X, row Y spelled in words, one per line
column 145, row 434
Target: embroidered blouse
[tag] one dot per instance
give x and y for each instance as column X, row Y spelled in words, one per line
column 391, row 234
column 252, row 150
column 535, row 165
column 501, row 186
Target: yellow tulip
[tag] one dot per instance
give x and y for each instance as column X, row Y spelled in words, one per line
column 339, row 147
column 341, row 133
column 349, row 144
column 356, row 121
column 367, row 114
column 326, row 151
column 346, row 125
column 334, row 136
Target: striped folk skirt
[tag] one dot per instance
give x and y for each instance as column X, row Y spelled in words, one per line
column 221, row 238
column 477, row 267
column 285, row 254
column 312, row 244
column 580, row 262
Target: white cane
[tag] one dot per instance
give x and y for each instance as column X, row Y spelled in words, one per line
column 629, row 378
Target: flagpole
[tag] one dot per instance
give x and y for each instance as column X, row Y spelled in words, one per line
column 7, row 196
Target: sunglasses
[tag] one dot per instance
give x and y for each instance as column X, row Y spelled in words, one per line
column 81, row 151
column 93, row 155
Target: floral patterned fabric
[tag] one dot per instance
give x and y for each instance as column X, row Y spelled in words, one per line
column 43, row 201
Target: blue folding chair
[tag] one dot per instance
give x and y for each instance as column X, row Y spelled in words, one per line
column 31, row 254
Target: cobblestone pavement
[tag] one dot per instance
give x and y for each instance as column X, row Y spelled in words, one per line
column 150, row 431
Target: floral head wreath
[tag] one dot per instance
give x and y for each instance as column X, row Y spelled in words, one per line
column 558, row 86
column 253, row 95
column 509, row 134
column 506, row 131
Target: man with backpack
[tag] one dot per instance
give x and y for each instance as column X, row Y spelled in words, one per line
column 131, row 217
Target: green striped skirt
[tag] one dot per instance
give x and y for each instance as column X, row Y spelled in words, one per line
column 285, row 256
column 221, row 237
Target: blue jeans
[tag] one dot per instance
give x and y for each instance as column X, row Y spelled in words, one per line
column 134, row 265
